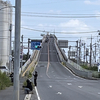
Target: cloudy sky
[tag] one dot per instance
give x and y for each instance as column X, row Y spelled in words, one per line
column 67, row 19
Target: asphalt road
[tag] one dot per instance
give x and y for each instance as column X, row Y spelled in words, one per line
column 55, row 82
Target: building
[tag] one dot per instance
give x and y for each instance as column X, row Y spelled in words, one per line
column 5, row 37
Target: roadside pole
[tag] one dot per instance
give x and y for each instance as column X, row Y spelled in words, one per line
column 21, row 52
column 17, row 49
column 28, row 47
column 10, row 50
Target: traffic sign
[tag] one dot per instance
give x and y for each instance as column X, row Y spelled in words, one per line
column 63, row 43
column 35, row 45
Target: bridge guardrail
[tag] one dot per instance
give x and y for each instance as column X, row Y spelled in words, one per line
column 90, row 73
column 75, row 68
column 78, row 70
column 78, row 67
column 30, row 62
column 58, row 51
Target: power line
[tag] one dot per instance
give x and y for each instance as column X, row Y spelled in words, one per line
column 56, row 13
column 53, row 15
column 61, row 16
column 58, row 32
column 54, row 26
column 51, row 2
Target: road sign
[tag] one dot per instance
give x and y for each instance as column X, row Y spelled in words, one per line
column 35, row 45
column 63, row 43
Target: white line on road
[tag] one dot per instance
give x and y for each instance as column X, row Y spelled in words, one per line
column 59, row 93
column 27, row 97
column 99, row 93
column 69, row 83
column 50, row 86
column 37, row 94
column 80, row 86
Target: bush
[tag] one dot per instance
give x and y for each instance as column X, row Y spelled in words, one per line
column 29, row 75
column 63, row 63
column 94, row 68
column 99, row 75
column 4, row 81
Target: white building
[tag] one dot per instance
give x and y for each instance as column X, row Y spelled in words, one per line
column 5, row 22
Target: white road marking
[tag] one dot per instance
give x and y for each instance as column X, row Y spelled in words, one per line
column 99, row 93
column 59, row 93
column 80, row 86
column 27, row 97
column 50, row 86
column 69, row 83
column 37, row 94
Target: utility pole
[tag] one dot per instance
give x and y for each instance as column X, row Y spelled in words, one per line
column 28, row 47
column 69, row 52
column 10, row 50
column 79, row 51
column 21, row 52
column 17, row 49
column 84, row 53
column 95, row 52
column 90, row 50
column 87, row 53
column 90, row 53
column 99, row 45
column 77, row 47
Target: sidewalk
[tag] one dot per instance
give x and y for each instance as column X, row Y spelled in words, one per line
column 7, row 94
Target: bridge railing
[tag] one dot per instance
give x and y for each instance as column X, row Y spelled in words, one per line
column 75, row 65
column 58, row 51
column 75, row 68
column 32, row 59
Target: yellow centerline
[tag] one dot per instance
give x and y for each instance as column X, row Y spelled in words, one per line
column 48, row 62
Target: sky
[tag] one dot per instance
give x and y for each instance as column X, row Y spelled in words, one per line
column 70, row 20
